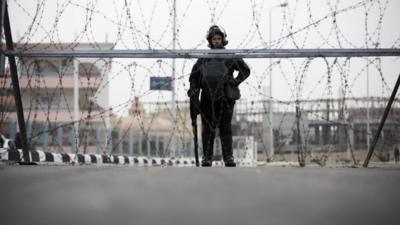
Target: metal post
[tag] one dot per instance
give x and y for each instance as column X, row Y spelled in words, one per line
column 316, row 131
column 157, row 145
column 270, row 111
column 60, row 137
column 161, row 146
column 98, row 133
column 173, row 104
column 73, row 138
column 350, row 142
column 76, row 103
column 140, row 150
column 326, row 128
column 130, row 142
column 382, row 123
column 271, row 135
column 15, row 83
column 2, row 56
column 368, row 105
column 148, row 143
column 300, row 149
column 85, row 139
column 109, row 140
column 120, row 141
column 46, row 137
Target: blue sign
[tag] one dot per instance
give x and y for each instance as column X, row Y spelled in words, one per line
column 161, row 83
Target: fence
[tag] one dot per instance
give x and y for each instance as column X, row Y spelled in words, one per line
column 68, row 94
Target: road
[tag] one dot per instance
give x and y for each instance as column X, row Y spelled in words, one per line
column 167, row 195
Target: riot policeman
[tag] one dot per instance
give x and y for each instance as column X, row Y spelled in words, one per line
column 211, row 77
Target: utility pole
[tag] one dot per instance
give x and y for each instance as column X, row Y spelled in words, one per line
column 14, row 79
column 368, row 105
column 367, row 71
column 2, row 56
column 382, row 122
column 173, row 101
column 300, row 147
column 76, row 103
column 270, row 111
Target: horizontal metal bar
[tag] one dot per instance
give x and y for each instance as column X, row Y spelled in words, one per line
column 203, row 53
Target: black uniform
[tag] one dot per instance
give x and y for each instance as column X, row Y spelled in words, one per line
column 210, row 76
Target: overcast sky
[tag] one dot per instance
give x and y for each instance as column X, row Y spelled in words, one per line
column 148, row 24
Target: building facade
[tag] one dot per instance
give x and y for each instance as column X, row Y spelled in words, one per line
column 63, row 98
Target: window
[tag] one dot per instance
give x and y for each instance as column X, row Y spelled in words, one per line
column 88, row 70
column 46, row 67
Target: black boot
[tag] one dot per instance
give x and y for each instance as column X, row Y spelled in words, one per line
column 208, row 149
column 227, row 151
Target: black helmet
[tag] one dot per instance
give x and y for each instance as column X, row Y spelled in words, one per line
column 214, row 30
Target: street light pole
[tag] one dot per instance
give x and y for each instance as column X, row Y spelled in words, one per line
column 270, row 111
column 368, row 105
column 76, row 104
column 173, row 151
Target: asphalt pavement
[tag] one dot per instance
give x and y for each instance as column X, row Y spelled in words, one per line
column 167, row 195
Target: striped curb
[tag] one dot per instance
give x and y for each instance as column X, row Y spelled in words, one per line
column 69, row 158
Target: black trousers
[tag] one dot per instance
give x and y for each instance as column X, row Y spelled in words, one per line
column 216, row 114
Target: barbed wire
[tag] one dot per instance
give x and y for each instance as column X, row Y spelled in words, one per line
column 137, row 26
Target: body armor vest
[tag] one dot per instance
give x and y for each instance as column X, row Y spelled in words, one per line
column 214, row 73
